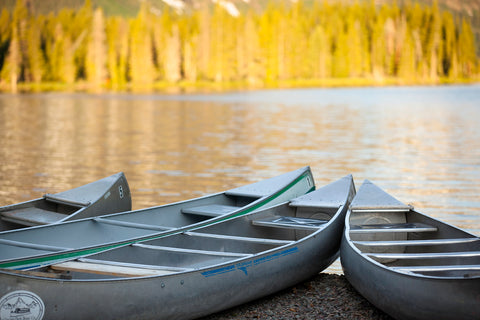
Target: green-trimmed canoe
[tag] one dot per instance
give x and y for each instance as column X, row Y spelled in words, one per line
column 37, row 246
column 107, row 195
column 190, row 274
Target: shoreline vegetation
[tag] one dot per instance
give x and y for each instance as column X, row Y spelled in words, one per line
column 215, row 87
column 209, row 48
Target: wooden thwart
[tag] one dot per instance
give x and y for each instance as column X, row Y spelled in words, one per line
column 104, row 269
column 53, row 275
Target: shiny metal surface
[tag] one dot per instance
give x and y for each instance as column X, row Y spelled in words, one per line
column 191, row 274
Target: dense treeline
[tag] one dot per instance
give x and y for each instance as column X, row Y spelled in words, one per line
column 286, row 41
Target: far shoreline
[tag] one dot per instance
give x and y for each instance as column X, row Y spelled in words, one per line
column 216, row 87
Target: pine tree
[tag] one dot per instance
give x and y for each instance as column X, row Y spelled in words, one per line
column 254, row 66
column 268, row 42
column 17, row 56
column 406, row 55
column 319, row 53
column 5, row 38
column 35, row 59
column 204, row 35
column 172, row 55
column 117, row 51
column 96, row 51
column 449, row 63
column 76, row 31
column 433, row 45
column 340, row 49
column 466, row 50
column 141, row 65
column 62, row 58
column 379, row 45
column 189, row 36
column 355, row 43
column 13, row 64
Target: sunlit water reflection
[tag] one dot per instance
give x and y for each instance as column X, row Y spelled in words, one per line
column 421, row 144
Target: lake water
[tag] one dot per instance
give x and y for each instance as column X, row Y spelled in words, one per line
column 421, row 144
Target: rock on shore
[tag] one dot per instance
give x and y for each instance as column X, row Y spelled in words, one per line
column 325, row 296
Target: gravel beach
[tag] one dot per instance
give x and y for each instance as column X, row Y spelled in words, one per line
column 325, row 296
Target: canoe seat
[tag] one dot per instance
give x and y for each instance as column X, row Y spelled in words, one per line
column 211, row 210
column 32, row 216
column 392, row 227
column 290, row 223
column 129, row 270
column 62, row 200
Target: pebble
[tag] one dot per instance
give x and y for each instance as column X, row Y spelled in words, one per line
column 325, row 296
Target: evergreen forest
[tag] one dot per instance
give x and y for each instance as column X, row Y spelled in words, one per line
column 287, row 43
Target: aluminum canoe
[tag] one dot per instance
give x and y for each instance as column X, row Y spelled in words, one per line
column 407, row 264
column 24, row 249
column 194, row 273
column 107, row 195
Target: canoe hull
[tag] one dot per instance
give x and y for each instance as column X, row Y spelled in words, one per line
column 147, row 298
column 202, row 290
column 405, row 297
column 107, row 195
column 87, row 236
column 407, row 264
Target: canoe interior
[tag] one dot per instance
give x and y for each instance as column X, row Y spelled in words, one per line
column 26, row 249
column 49, row 211
column 107, row 195
column 91, row 232
column 205, row 247
column 408, row 241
